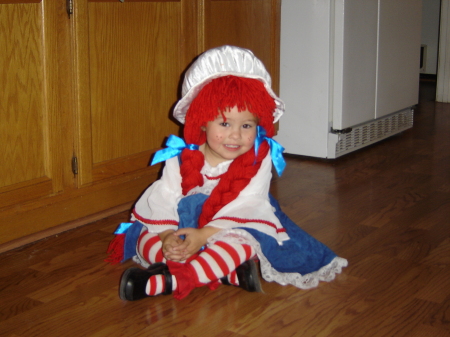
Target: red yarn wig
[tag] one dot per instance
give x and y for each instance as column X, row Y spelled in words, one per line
column 217, row 96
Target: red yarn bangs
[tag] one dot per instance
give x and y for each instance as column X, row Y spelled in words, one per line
column 225, row 93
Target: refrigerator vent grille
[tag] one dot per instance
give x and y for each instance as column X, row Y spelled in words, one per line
column 374, row 131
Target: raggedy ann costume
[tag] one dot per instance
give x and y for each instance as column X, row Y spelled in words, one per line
column 233, row 196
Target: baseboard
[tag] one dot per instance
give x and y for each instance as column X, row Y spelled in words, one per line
column 7, row 246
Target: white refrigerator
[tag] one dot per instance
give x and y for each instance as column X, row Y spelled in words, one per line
column 349, row 73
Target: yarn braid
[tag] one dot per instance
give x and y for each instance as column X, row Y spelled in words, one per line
column 192, row 163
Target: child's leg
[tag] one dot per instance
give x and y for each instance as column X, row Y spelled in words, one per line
column 149, row 246
column 215, row 262
column 219, row 260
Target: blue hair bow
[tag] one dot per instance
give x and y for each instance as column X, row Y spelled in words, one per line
column 175, row 145
column 276, row 150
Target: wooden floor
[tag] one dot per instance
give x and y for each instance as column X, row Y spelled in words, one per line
column 385, row 208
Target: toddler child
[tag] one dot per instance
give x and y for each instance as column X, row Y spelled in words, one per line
column 210, row 216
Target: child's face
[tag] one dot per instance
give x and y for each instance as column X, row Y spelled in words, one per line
column 231, row 137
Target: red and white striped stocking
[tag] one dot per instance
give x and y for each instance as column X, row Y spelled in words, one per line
column 215, row 262
column 149, row 246
column 219, row 260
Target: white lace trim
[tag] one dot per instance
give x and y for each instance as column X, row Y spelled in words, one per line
column 326, row 273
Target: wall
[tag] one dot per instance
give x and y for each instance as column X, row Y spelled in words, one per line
column 443, row 78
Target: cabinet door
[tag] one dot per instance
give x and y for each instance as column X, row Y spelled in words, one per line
column 33, row 118
column 129, row 58
column 252, row 24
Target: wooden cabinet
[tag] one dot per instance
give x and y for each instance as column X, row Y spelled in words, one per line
column 87, row 98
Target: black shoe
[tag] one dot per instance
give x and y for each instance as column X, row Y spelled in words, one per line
column 247, row 274
column 134, row 281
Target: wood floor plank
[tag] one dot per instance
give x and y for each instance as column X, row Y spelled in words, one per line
column 438, row 287
column 439, row 256
column 393, row 310
column 441, row 318
column 425, row 330
column 303, row 313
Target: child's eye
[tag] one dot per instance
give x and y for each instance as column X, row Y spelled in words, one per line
column 247, row 126
column 224, row 124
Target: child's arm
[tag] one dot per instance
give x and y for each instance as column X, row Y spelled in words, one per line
column 195, row 239
column 157, row 207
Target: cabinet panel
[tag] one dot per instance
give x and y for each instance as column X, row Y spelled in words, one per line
column 29, row 127
column 134, row 65
column 129, row 65
column 252, row 24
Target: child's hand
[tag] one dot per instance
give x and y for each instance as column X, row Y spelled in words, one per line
column 170, row 242
column 195, row 240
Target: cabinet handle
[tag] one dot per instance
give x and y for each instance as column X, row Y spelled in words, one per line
column 69, row 7
column 75, row 165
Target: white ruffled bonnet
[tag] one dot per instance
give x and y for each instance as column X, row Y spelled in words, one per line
column 218, row 62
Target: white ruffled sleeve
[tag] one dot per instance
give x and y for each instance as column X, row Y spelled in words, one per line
column 157, row 207
column 252, row 208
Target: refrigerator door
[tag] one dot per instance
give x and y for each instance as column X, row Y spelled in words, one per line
column 354, row 59
column 398, row 55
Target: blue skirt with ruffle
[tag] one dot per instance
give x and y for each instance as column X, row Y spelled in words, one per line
column 302, row 253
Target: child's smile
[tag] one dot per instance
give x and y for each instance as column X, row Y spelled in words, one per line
column 228, row 138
